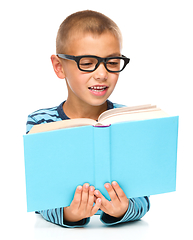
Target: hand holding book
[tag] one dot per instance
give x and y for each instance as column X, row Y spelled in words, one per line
column 82, row 205
column 84, row 197
column 119, row 203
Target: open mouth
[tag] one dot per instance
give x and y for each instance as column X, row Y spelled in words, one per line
column 98, row 88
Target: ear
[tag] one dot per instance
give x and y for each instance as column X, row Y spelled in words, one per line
column 57, row 65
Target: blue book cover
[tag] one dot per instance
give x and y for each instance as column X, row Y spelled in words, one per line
column 140, row 155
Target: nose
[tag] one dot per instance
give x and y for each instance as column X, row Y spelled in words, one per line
column 101, row 73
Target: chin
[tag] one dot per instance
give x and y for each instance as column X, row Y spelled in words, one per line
column 97, row 103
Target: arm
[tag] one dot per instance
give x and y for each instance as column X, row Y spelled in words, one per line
column 56, row 216
column 115, row 211
column 138, row 207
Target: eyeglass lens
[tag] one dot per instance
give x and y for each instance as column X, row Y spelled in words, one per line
column 89, row 63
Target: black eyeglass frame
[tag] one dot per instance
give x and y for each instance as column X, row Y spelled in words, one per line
column 100, row 60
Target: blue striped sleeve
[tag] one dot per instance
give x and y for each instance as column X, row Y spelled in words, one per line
column 138, row 207
column 30, row 123
column 41, row 116
column 56, row 216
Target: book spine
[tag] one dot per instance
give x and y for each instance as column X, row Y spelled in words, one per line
column 102, row 158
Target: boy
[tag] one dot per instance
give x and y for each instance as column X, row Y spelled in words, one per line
column 88, row 47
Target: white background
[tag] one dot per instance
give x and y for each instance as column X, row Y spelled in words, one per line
column 158, row 38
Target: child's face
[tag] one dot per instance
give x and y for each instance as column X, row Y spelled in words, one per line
column 81, row 84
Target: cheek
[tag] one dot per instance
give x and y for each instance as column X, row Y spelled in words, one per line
column 114, row 79
column 77, row 81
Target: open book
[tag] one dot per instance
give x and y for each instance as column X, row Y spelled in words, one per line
column 137, row 147
column 106, row 118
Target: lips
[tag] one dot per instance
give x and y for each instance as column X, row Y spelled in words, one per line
column 98, row 90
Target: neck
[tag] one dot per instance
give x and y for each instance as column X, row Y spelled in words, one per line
column 78, row 110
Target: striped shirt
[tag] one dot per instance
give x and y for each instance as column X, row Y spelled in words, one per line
column 138, row 207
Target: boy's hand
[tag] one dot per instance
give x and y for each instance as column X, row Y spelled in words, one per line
column 82, row 205
column 119, row 203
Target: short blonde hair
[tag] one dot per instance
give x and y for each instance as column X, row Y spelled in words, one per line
column 84, row 22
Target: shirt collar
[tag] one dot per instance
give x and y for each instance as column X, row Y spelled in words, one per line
column 63, row 116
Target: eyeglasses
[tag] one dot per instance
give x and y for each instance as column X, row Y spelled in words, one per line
column 89, row 63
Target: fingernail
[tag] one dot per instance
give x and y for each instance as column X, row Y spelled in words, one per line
column 107, row 185
column 79, row 187
column 96, row 192
column 114, row 183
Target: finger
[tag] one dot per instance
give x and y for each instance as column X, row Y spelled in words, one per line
column 101, row 206
column 98, row 194
column 85, row 192
column 96, row 206
column 104, row 202
column 120, row 193
column 77, row 198
column 91, row 197
column 112, row 193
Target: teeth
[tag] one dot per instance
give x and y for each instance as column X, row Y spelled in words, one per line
column 98, row 88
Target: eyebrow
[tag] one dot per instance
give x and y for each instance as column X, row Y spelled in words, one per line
column 114, row 55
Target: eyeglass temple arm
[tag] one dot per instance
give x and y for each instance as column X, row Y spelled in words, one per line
column 66, row 56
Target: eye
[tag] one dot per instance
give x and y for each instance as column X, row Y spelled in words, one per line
column 113, row 62
column 87, row 63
